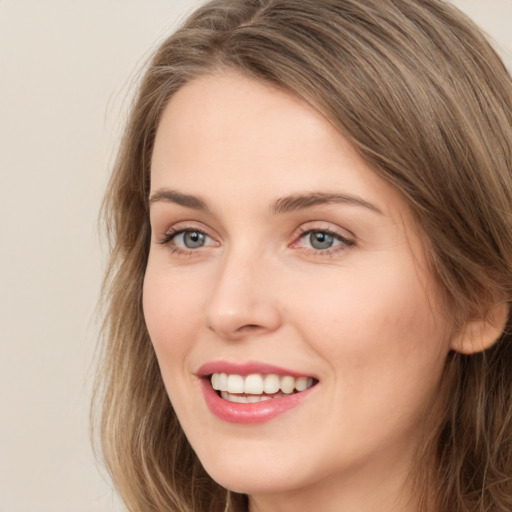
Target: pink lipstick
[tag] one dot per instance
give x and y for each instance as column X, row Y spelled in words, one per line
column 252, row 392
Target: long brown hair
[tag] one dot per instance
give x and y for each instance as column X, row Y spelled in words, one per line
column 427, row 103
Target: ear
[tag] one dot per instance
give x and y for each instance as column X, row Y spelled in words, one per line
column 480, row 334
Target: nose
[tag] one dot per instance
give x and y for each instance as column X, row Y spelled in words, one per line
column 243, row 301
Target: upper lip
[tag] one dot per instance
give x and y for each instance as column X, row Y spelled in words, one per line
column 245, row 369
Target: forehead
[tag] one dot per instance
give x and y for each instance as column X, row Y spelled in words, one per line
column 228, row 136
column 229, row 116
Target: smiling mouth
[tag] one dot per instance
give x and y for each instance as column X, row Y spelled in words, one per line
column 258, row 387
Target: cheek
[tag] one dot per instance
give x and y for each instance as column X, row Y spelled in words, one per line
column 377, row 324
column 385, row 348
column 171, row 309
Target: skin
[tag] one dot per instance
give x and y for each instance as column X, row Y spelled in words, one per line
column 361, row 316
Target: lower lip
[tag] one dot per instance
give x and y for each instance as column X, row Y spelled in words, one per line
column 258, row 412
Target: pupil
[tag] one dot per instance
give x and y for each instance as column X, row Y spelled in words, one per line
column 321, row 240
column 193, row 239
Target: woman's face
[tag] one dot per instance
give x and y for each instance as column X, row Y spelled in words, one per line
column 279, row 261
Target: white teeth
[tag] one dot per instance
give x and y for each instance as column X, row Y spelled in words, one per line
column 235, row 384
column 287, row 384
column 271, row 384
column 301, row 384
column 257, row 384
column 252, row 399
column 253, row 384
column 223, row 381
column 240, row 399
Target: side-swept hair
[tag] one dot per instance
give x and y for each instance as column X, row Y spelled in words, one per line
column 427, row 103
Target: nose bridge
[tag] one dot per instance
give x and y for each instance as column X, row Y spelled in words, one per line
column 242, row 300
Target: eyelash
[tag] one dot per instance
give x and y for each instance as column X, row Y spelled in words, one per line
column 172, row 233
column 345, row 243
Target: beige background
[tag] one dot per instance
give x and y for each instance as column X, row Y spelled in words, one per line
column 65, row 71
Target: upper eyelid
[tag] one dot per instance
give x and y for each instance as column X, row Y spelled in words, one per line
column 306, row 227
column 173, row 232
column 167, row 240
column 343, row 239
column 346, row 237
column 181, row 226
column 321, row 226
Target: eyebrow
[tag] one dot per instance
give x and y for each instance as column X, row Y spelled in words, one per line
column 282, row 205
column 172, row 196
column 304, row 201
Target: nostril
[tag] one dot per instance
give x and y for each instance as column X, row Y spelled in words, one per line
column 249, row 328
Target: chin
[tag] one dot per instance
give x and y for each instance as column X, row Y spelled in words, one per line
column 255, row 476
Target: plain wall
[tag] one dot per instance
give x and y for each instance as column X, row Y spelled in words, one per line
column 65, row 71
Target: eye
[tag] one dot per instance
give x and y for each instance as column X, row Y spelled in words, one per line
column 320, row 240
column 323, row 240
column 191, row 239
column 186, row 240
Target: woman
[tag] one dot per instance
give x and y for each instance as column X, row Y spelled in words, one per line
column 310, row 275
